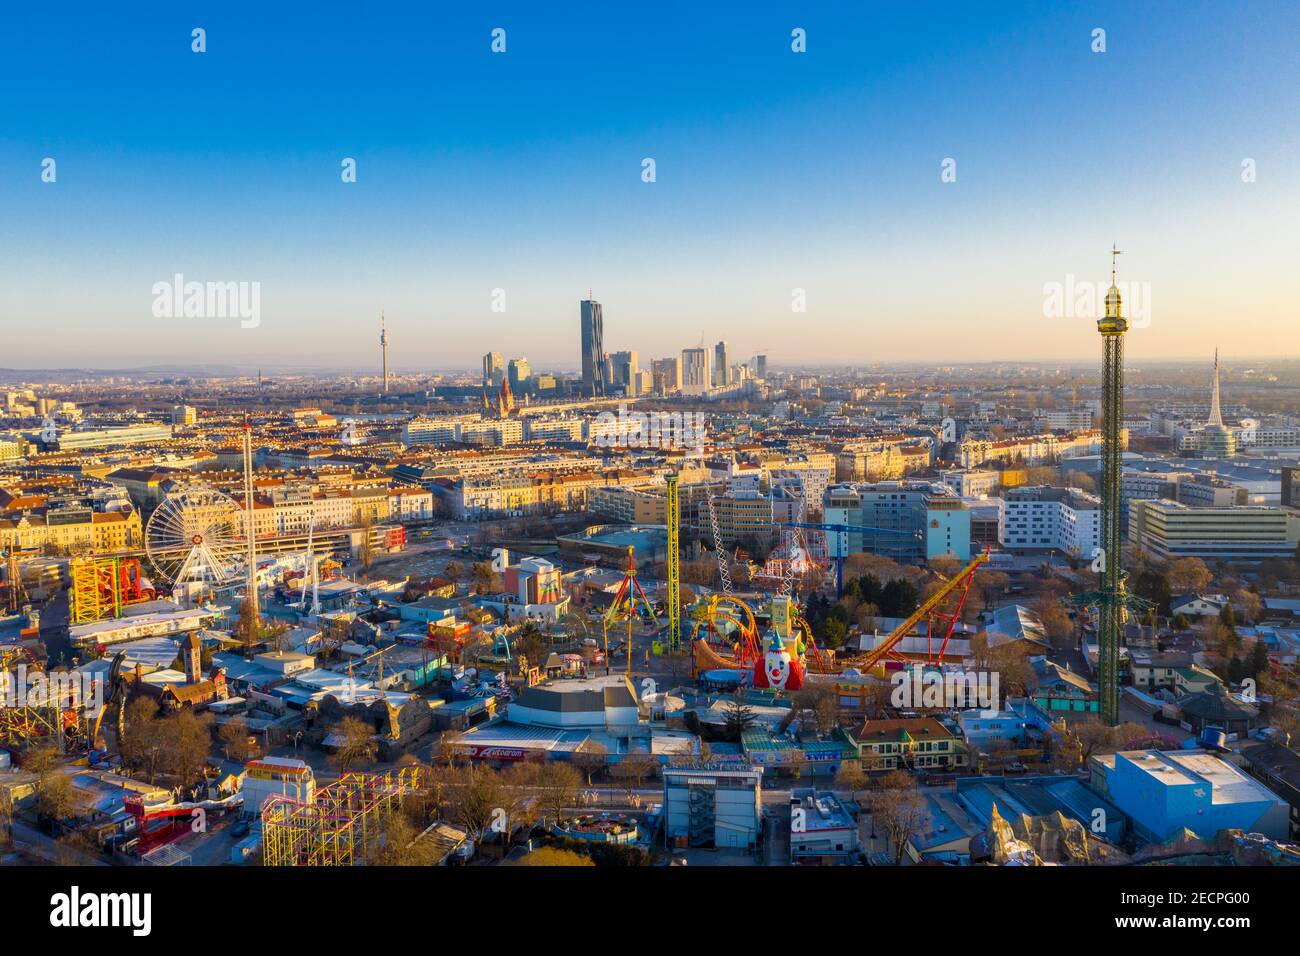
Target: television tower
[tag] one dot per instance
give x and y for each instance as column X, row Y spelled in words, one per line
column 383, row 348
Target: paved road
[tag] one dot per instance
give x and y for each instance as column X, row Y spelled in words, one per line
column 54, row 629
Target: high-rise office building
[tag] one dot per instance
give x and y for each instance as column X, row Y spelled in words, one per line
column 667, row 375
column 721, row 364
column 697, row 375
column 760, row 366
column 624, row 371
column 520, row 374
column 494, row 370
column 594, row 370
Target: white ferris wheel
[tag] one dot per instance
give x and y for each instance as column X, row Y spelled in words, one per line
column 194, row 536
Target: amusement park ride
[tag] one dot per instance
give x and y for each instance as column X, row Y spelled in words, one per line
column 61, row 718
column 724, row 631
column 102, row 587
column 725, row 636
column 624, row 608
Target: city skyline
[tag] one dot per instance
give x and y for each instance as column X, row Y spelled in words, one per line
column 511, row 179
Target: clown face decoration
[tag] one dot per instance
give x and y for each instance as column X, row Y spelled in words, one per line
column 777, row 669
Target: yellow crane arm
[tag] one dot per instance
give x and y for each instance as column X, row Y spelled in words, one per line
column 900, row 632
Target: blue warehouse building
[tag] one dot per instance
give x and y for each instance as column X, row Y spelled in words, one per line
column 1165, row 792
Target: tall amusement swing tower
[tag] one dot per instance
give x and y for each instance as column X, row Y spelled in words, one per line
column 1110, row 625
column 1112, row 599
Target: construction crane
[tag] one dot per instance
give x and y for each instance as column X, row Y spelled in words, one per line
column 795, row 539
column 843, row 529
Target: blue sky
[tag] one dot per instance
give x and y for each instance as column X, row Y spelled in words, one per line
column 522, row 171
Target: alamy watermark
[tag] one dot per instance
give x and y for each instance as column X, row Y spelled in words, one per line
column 62, row 689
column 649, row 429
column 209, row 300
column 1073, row 299
column 918, row 688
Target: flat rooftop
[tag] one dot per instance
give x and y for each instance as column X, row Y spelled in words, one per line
column 1188, row 767
column 822, row 811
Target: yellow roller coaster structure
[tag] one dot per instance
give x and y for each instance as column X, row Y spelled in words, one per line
column 726, row 615
column 339, row 826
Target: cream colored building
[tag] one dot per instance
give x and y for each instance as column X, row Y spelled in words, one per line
column 1171, row 530
column 73, row 531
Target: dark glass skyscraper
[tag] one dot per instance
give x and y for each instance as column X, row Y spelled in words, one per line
column 593, row 349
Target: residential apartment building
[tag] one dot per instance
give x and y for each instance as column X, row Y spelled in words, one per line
column 881, row 459
column 667, row 375
column 535, row 493
column 917, row 520
column 971, row 484
column 72, row 530
column 697, row 377
column 1057, row 519
column 649, row 505
column 1032, row 450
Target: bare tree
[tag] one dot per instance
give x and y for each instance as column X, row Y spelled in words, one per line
column 634, row 769
column 234, row 740
column 356, row 743
column 143, row 746
column 1056, row 620
column 366, row 554
column 1189, row 576
column 557, row 788
column 478, row 802
column 591, row 758
column 851, row 777
column 898, row 809
column 6, row 818
column 187, row 741
column 56, row 798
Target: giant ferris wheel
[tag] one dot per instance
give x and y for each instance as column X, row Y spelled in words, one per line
column 194, row 536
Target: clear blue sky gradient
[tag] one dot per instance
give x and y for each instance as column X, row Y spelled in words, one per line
column 522, row 171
